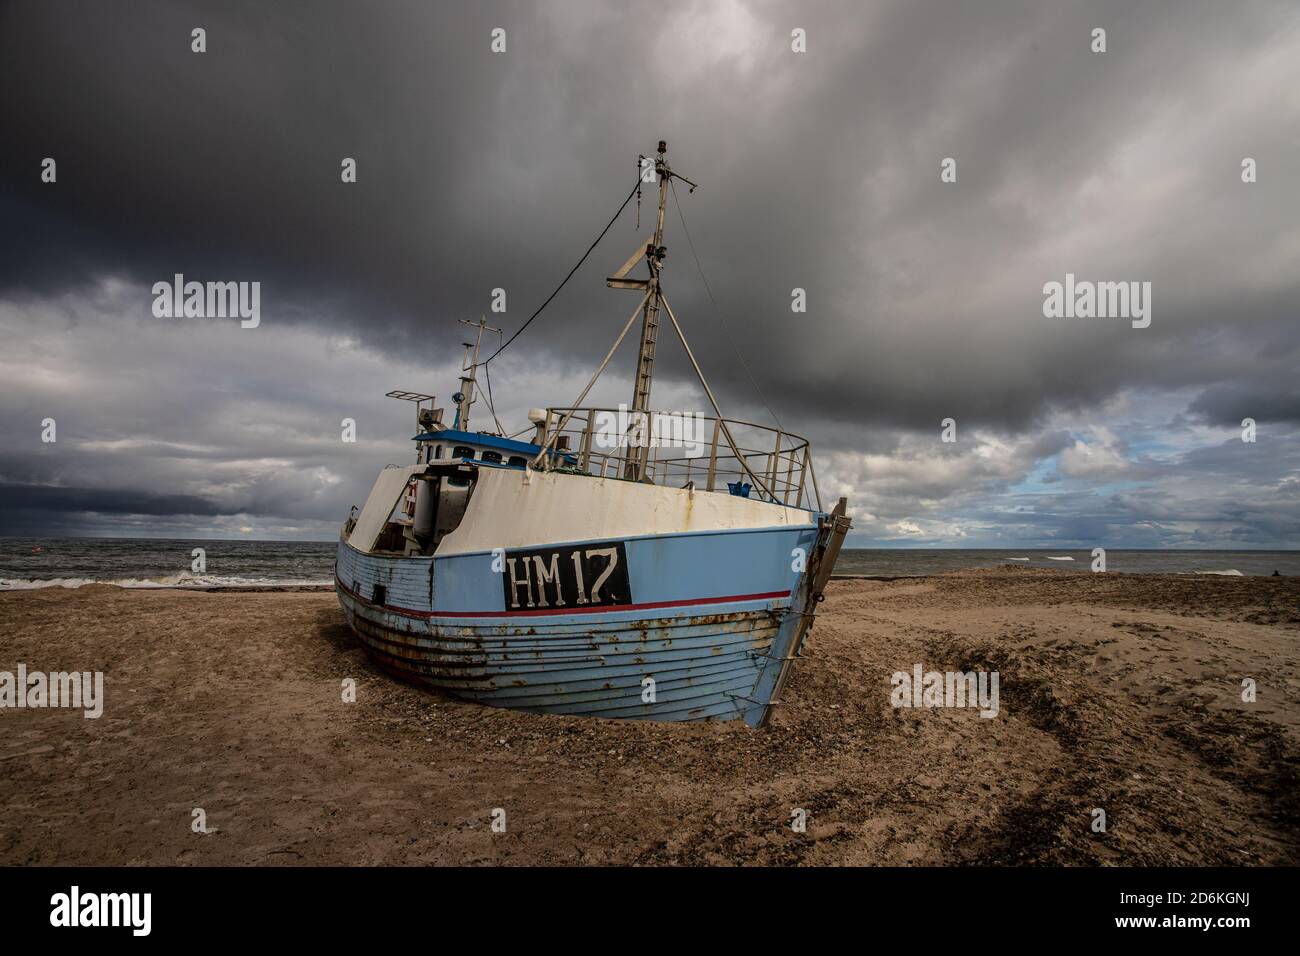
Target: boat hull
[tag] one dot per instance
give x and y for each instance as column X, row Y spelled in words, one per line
column 709, row 624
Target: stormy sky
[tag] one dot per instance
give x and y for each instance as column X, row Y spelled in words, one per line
column 819, row 170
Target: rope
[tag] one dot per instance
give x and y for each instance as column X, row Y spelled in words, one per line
column 569, row 276
column 487, row 374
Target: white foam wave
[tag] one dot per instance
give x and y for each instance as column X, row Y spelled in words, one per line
column 1053, row 557
column 182, row 580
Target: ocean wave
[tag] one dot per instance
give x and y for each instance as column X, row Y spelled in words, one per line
column 182, row 580
column 1053, row 557
column 1230, row 572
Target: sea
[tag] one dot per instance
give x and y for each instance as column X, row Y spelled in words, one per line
column 170, row 563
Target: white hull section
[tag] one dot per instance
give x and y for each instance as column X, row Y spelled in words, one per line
column 514, row 509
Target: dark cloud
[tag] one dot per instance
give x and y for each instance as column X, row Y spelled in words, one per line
column 1264, row 402
column 111, row 501
column 818, row 170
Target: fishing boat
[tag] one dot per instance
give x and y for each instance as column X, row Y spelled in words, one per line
column 605, row 562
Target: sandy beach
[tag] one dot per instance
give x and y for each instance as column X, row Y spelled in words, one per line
column 1118, row 692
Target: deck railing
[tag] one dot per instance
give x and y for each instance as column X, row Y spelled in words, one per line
column 676, row 449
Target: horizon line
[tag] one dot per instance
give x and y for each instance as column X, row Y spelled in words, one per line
column 900, row 547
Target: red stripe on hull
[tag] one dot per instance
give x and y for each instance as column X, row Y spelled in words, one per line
column 541, row 612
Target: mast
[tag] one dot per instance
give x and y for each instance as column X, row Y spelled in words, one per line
column 654, row 255
column 465, row 397
column 654, row 252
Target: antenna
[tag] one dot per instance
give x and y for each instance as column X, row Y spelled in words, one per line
column 465, row 397
column 426, row 419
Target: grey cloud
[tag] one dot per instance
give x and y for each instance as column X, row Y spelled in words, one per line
column 818, row 170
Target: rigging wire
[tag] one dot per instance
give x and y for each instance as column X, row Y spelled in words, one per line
column 635, row 190
column 718, row 312
column 487, row 374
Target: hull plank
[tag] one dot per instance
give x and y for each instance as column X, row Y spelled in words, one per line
column 702, row 667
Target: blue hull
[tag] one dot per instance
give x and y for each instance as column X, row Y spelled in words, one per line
column 707, row 631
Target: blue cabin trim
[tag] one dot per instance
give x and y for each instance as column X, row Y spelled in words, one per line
column 454, row 436
column 478, row 438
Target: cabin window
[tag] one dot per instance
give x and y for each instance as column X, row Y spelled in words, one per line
column 517, row 460
column 492, row 456
column 438, row 452
column 381, row 594
column 462, row 451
